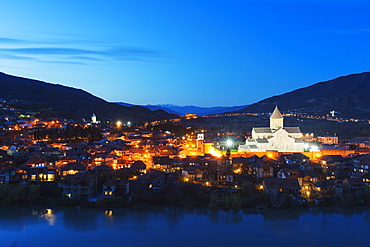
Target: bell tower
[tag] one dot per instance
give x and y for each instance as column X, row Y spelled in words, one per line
column 276, row 119
column 93, row 119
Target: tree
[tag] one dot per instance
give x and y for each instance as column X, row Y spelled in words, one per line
column 228, row 153
column 277, row 199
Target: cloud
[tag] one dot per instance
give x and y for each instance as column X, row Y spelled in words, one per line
column 8, row 40
column 65, row 62
column 16, row 57
column 129, row 53
column 73, row 53
column 49, row 51
column 86, row 58
column 101, row 52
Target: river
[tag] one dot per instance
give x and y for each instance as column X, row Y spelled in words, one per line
column 57, row 227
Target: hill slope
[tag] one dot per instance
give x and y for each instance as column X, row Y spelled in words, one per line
column 348, row 95
column 69, row 102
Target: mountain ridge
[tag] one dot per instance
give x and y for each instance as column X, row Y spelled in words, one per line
column 70, row 102
column 342, row 94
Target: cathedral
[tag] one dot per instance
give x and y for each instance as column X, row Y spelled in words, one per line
column 276, row 137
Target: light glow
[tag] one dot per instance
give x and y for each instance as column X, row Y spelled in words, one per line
column 229, row 143
column 314, row 148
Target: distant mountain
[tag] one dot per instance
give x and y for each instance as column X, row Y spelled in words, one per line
column 182, row 110
column 348, row 95
column 151, row 107
column 69, row 102
column 201, row 111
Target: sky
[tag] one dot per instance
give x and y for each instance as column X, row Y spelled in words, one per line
column 194, row 52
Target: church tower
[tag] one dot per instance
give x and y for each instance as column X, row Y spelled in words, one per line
column 93, row 119
column 276, row 119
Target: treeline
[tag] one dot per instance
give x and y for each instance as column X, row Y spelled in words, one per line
column 192, row 195
column 69, row 133
column 16, row 194
column 175, row 129
column 244, row 124
column 186, row 195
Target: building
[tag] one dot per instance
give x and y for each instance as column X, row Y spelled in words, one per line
column 276, row 137
column 330, row 140
column 94, row 119
column 115, row 188
column 276, row 185
column 78, row 186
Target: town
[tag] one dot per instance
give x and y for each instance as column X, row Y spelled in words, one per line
column 94, row 164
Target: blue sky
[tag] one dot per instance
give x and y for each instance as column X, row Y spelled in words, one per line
column 193, row 52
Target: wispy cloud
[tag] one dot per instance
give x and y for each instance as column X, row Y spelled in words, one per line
column 85, row 58
column 10, row 41
column 62, row 52
column 15, row 57
column 129, row 53
column 65, row 62
column 49, row 51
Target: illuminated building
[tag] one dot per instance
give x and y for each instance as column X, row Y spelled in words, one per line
column 93, row 119
column 191, row 116
column 331, row 140
column 276, row 137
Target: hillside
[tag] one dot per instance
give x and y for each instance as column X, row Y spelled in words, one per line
column 348, row 95
column 69, row 102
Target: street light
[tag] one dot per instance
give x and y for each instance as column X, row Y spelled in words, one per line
column 229, row 143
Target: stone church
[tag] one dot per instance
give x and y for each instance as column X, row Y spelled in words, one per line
column 276, row 137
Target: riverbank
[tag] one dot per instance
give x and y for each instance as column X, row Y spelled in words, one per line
column 186, row 195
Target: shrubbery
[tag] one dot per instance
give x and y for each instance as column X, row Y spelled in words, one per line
column 11, row 194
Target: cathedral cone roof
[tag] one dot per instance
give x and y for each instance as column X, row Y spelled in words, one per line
column 276, row 114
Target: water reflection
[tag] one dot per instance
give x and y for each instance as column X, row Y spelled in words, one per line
column 171, row 223
column 276, row 214
column 89, row 219
column 81, row 220
column 174, row 215
column 15, row 219
column 49, row 216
